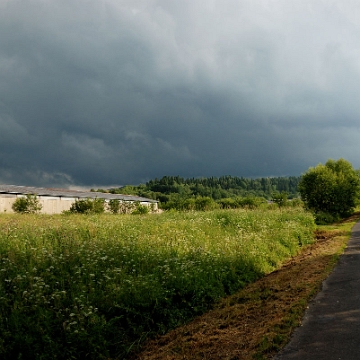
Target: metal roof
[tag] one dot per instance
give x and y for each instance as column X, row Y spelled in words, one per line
column 23, row 190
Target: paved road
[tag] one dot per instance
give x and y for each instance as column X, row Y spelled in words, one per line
column 331, row 327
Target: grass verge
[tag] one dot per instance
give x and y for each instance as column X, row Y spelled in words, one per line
column 257, row 322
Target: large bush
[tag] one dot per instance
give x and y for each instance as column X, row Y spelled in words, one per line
column 29, row 204
column 126, row 207
column 88, row 206
column 198, row 203
column 331, row 189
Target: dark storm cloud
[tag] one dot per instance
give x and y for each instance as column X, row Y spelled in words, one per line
column 115, row 92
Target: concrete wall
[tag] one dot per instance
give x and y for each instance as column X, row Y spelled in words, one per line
column 50, row 205
column 55, row 205
column 6, row 202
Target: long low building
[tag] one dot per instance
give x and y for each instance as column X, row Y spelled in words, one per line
column 55, row 201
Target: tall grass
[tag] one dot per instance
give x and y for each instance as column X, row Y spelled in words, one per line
column 95, row 287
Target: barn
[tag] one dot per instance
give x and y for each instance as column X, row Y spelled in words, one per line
column 55, row 201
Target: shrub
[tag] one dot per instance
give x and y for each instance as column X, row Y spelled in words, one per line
column 205, row 203
column 140, row 209
column 88, row 206
column 227, row 203
column 296, row 202
column 251, row 202
column 29, row 204
column 281, row 199
column 324, row 218
column 114, row 206
column 121, row 207
column 199, row 203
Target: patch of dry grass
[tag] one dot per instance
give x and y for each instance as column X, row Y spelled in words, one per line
column 257, row 322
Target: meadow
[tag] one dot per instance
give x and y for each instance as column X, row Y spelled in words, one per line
column 96, row 286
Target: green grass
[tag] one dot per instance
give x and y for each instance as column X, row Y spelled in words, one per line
column 96, row 286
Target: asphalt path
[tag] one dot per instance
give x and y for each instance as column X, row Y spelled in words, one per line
column 331, row 327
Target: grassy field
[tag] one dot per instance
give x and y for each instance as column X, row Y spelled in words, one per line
column 257, row 321
column 98, row 286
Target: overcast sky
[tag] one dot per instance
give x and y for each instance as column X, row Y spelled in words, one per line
column 114, row 92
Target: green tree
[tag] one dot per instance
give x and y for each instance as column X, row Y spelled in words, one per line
column 88, row 206
column 332, row 188
column 29, row 204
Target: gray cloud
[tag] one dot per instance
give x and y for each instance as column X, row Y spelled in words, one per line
column 117, row 92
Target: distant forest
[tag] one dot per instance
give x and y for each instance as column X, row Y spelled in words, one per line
column 170, row 188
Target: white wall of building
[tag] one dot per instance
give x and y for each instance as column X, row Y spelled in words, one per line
column 6, row 202
column 50, row 204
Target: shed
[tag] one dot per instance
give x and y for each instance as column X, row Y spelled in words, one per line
column 55, row 201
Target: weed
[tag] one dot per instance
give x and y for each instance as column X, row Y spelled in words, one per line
column 97, row 286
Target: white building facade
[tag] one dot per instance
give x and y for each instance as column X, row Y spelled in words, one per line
column 55, row 201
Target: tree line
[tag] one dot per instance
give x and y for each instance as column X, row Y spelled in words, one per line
column 211, row 192
column 330, row 192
